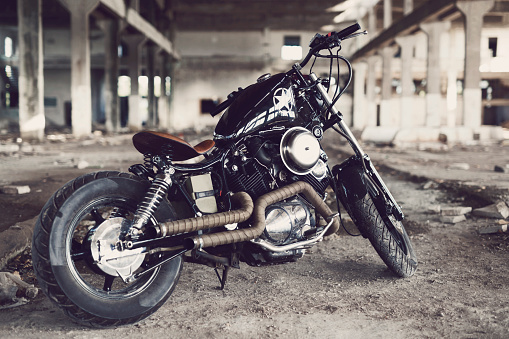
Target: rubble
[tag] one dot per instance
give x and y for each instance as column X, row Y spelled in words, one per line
column 459, row 166
column 452, row 219
column 429, row 185
column 11, row 286
column 82, row 164
column 495, row 211
column 15, row 190
column 454, row 211
column 500, row 169
column 493, row 229
column 9, row 148
column 434, row 208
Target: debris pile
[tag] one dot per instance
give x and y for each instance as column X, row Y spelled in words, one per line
column 498, row 211
column 13, row 290
column 453, row 215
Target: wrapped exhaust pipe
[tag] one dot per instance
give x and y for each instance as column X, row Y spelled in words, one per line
column 240, row 215
column 241, row 199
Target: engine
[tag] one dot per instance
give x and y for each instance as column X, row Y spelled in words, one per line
column 261, row 165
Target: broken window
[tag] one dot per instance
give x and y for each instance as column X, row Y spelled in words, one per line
column 291, row 49
column 492, row 45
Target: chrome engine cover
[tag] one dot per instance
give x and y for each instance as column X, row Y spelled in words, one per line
column 300, row 150
column 287, row 221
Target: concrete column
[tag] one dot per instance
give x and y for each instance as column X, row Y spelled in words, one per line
column 452, row 77
column 151, row 119
column 434, row 31
column 370, row 91
column 474, row 12
column 163, row 102
column 407, row 80
column 387, row 13
column 81, row 94
column 386, row 112
column 134, row 44
column 359, row 97
column 408, row 6
column 111, row 101
column 31, row 78
column 372, row 22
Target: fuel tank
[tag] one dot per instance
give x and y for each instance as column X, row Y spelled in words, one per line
column 259, row 106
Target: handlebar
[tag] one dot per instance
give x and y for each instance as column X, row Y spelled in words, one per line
column 330, row 40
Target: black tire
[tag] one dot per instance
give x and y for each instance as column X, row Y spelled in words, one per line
column 59, row 252
column 396, row 251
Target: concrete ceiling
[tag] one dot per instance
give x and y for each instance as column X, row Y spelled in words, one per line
column 241, row 15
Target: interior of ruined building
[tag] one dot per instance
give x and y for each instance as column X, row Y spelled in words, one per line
column 431, row 66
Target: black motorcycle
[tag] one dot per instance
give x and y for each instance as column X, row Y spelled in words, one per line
column 108, row 247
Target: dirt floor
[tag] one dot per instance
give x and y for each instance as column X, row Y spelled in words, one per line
column 339, row 289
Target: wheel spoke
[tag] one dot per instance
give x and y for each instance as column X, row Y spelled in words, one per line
column 119, row 212
column 77, row 251
column 108, row 282
column 97, row 216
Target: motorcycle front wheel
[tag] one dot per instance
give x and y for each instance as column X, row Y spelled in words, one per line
column 77, row 262
column 396, row 250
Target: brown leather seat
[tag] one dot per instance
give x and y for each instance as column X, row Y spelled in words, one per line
column 150, row 142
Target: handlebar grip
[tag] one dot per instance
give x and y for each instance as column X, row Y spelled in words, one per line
column 349, row 30
column 221, row 107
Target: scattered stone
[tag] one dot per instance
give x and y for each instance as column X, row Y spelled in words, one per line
column 460, row 210
column 15, row 190
column 460, row 166
column 82, row 164
column 429, row 184
column 495, row 211
column 500, row 169
column 434, row 209
column 493, row 229
column 11, row 283
column 452, row 219
column 9, row 148
column 502, row 222
column 26, row 148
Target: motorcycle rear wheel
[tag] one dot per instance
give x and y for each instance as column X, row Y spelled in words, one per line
column 400, row 258
column 91, row 294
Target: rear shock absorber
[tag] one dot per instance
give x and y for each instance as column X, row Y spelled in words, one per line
column 148, row 206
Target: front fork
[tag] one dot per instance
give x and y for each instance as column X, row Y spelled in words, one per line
column 370, row 180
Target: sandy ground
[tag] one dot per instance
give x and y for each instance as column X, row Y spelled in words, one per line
column 339, row 289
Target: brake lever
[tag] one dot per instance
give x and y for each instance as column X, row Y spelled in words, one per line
column 365, row 32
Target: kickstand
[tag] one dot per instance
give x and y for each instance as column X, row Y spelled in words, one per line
column 222, row 280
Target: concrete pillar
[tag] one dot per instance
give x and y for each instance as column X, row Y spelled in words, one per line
column 152, row 118
column 31, row 78
column 163, row 102
column 359, row 97
column 370, row 91
column 452, row 77
column 474, row 12
column 407, row 80
column 434, row 31
column 134, row 44
column 408, row 6
column 81, row 93
column 372, row 22
column 386, row 112
column 111, row 100
column 387, row 13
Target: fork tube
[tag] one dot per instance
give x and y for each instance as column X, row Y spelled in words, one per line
column 342, row 125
